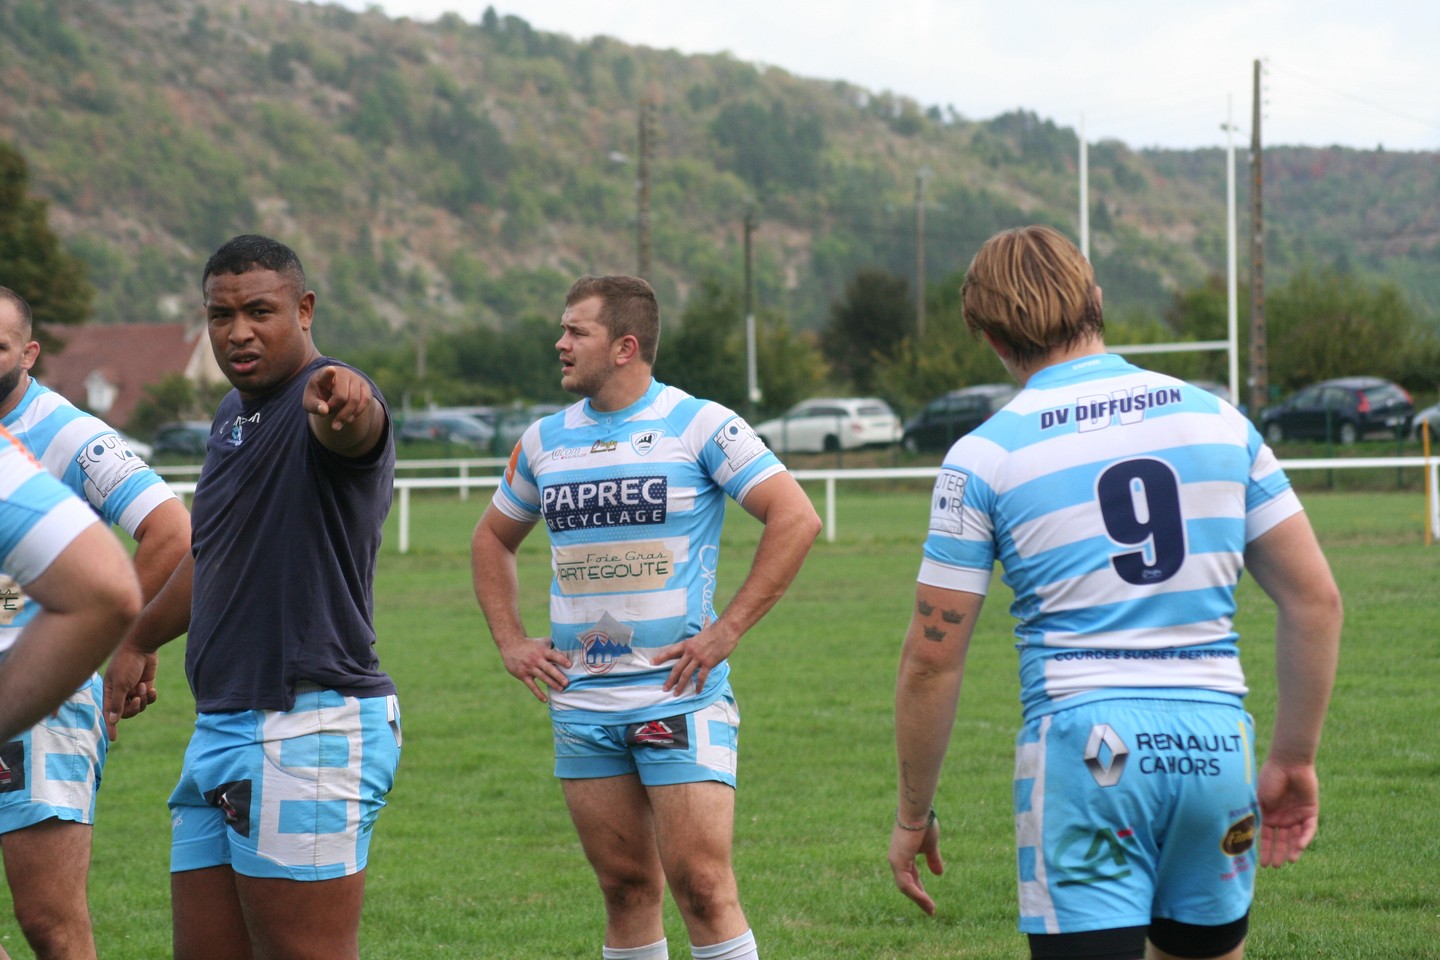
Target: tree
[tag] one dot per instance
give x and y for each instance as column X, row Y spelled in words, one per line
column 868, row 326
column 1326, row 322
column 705, row 354
column 32, row 261
column 174, row 398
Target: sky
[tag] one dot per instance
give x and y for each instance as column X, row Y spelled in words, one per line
column 1150, row 73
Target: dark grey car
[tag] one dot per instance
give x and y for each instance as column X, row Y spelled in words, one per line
column 947, row 418
column 1346, row 409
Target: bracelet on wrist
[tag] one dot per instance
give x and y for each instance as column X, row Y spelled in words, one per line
column 929, row 820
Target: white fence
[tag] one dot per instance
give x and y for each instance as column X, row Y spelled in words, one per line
column 471, row 474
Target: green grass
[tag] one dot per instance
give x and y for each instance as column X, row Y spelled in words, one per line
column 476, row 857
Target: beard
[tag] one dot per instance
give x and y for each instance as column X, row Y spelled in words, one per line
column 9, row 381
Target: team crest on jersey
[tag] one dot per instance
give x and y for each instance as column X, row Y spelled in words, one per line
column 643, row 442
column 237, row 429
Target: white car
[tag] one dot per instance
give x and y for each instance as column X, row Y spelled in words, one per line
column 1430, row 415
column 829, row 424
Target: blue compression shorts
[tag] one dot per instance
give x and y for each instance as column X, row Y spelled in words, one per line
column 291, row 794
column 1129, row 810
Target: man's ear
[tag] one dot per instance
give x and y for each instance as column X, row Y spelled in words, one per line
column 627, row 349
column 29, row 355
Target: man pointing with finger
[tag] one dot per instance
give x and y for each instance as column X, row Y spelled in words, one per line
column 297, row 736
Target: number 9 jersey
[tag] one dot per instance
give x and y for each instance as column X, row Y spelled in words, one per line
column 1119, row 503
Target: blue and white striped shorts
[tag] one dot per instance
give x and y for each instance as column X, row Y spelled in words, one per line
column 53, row 769
column 292, row 794
column 685, row 748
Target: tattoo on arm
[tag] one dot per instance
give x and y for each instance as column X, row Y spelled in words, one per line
column 906, row 787
column 925, row 608
column 952, row 616
column 935, row 634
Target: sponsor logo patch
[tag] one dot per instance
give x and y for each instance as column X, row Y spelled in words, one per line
column 1105, row 755
column 12, row 767
column 602, row 568
column 739, row 443
column 605, row 644
column 589, row 504
column 107, row 461
column 1240, row 837
column 671, row 733
column 233, row 800
column 1087, row 856
column 946, row 503
column 12, row 600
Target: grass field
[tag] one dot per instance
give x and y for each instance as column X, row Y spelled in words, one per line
column 476, row 857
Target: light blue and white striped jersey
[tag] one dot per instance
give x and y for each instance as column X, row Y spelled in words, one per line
column 89, row 458
column 633, row 501
column 39, row 518
column 1119, row 503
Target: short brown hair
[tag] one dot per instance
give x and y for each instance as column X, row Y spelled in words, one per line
column 27, row 318
column 628, row 307
column 1033, row 292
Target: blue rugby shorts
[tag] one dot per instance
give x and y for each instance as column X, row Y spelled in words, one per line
column 53, row 769
column 292, row 794
column 684, row 748
column 1128, row 810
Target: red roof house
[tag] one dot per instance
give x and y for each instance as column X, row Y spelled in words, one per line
column 106, row 368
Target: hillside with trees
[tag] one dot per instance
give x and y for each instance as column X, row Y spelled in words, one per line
column 445, row 181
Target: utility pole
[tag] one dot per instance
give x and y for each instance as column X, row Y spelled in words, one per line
column 751, row 370
column 920, row 177
column 642, row 191
column 1259, row 369
column 1232, row 310
column 1084, row 192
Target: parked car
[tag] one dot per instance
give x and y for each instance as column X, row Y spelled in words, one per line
column 511, row 422
column 186, row 438
column 452, row 428
column 1430, row 415
column 1345, row 409
column 950, row 416
column 828, row 424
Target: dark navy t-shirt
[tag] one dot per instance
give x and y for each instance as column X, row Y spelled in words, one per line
column 285, row 539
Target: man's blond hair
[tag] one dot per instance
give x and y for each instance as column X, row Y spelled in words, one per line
column 1032, row 292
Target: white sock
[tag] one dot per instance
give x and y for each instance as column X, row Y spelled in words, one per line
column 652, row 951
column 741, row 948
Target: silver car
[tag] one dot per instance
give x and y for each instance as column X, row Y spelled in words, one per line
column 830, row 424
